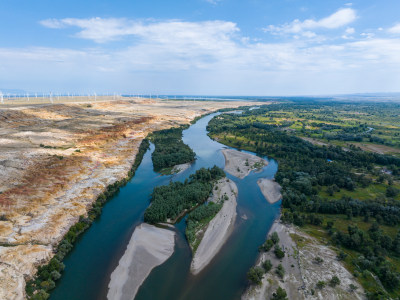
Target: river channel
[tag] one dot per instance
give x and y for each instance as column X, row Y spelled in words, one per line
column 97, row 252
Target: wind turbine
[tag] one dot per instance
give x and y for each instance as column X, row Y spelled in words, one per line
column 27, row 96
column 51, row 97
column 1, row 97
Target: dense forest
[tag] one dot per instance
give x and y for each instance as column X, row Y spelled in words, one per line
column 169, row 202
column 350, row 194
column 170, row 149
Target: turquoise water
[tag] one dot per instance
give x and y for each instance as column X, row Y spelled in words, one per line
column 96, row 254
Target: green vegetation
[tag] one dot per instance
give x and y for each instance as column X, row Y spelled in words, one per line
column 335, row 191
column 269, row 243
column 46, row 276
column 280, row 294
column 199, row 219
column 267, row 265
column 255, row 275
column 170, row 149
column 280, row 271
column 174, row 200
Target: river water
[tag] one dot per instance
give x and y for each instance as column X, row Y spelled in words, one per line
column 97, row 252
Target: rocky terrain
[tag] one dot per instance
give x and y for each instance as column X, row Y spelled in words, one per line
column 55, row 159
column 306, row 262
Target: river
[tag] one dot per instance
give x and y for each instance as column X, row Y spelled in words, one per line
column 97, row 252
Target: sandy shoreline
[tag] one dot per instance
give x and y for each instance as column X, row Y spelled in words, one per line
column 149, row 247
column 219, row 228
column 180, row 168
column 240, row 164
column 270, row 189
column 301, row 271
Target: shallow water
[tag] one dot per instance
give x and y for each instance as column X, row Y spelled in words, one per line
column 96, row 254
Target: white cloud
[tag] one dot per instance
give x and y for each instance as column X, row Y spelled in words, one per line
column 338, row 19
column 215, row 2
column 395, row 28
column 202, row 57
column 105, row 30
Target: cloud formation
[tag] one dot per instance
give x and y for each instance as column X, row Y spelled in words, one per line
column 212, row 56
column 339, row 19
column 395, row 28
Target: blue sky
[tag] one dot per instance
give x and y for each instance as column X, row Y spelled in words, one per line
column 213, row 47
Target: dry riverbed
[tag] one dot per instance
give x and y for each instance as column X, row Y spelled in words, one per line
column 240, row 164
column 149, row 247
column 56, row 159
column 215, row 234
column 303, row 270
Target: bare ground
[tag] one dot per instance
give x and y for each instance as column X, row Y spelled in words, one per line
column 240, row 164
column 301, row 270
column 149, row 247
column 55, row 159
column 219, row 228
column 270, row 189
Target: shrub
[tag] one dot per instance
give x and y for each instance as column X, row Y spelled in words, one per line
column 255, row 275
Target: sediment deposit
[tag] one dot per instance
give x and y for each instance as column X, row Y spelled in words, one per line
column 149, row 247
column 270, row 189
column 55, row 159
column 240, row 164
column 219, row 228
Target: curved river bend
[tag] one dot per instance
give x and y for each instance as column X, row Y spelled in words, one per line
column 96, row 254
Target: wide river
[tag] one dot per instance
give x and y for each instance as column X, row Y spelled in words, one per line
column 97, row 252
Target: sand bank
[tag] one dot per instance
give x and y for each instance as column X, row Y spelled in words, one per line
column 240, row 164
column 149, row 247
column 180, row 168
column 270, row 189
column 220, row 227
column 301, row 271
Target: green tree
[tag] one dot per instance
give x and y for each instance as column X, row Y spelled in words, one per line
column 334, row 281
column 280, row 294
column 267, row 265
column 255, row 275
column 280, row 270
column 275, row 237
column 279, row 253
column 321, row 284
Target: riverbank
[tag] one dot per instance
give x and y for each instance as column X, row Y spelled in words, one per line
column 270, row 189
column 306, row 262
column 59, row 159
column 149, row 247
column 220, row 227
column 240, row 164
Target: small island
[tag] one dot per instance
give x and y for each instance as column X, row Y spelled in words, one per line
column 240, row 164
column 149, row 247
column 270, row 189
column 207, row 234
